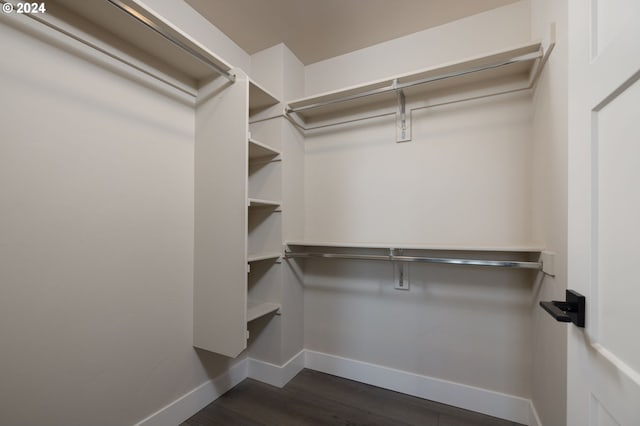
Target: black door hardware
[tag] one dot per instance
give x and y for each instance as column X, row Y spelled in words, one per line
column 572, row 310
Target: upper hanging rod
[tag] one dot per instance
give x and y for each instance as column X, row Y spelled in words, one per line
column 395, row 86
column 52, row 24
column 396, row 258
column 161, row 29
column 39, row 18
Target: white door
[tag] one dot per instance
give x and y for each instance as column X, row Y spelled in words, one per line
column 604, row 211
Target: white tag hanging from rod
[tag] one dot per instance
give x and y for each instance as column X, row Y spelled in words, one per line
column 400, row 271
column 403, row 117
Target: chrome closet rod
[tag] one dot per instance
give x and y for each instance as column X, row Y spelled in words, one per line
column 105, row 52
column 400, row 86
column 120, row 59
column 384, row 114
column 159, row 29
column 421, row 259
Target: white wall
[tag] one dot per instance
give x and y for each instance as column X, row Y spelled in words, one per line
column 496, row 29
column 468, row 326
column 96, row 246
column 550, row 211
column 464, row 179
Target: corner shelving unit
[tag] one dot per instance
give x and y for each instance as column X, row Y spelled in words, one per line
column 225, row 156
column 263, row 222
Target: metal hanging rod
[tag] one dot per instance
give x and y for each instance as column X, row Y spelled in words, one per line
column 394, row 112
column 161, row 29
column 105, row 52
column 399, row 86
column 147, row 22
column 395, row 258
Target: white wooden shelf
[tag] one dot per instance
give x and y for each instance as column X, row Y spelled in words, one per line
column 443, row 247
column 514, row 255
column 256, row 202
column 259, row 151
column 255, row 257
column 517, row 68
column 259, row 98
column 142, row 42
column 257, row 309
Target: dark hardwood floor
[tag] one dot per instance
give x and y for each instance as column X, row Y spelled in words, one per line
column 314, row 398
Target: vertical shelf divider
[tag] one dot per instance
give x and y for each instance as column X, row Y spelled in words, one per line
column 220, row 241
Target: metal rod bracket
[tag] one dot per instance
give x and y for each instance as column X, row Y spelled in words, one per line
column 400, row 270
column 403, row 119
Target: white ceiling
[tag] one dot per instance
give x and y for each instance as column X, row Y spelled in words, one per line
column 319, row 29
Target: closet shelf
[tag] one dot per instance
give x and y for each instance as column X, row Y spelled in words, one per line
column 259, row 98
column 150, row 37
column 439, row 247
column 256, row 202
column 500, row 72
column 257, row 309
column 511, row 257
column 259, row 151
column 255, row 257
column 397, row 254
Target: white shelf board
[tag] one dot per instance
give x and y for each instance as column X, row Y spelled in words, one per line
column 258, row 150
column 256, row 202
column 257, row 309
column 413, row 246
column 255, row 257
column 259, row 98
column 519, row 72
column 106, row 20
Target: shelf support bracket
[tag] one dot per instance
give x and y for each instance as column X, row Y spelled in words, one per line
column 400, row 270
column 403, row 119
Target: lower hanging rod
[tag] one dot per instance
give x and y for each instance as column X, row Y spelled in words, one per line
column 447, row 261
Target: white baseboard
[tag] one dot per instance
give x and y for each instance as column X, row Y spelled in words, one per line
column 189, row 404
column 276, row 375
column 483, row 401
column 504, row 406
column 534, row 419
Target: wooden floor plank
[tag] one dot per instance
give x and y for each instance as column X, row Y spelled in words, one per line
column 446, row 420
column 272, row 406
column 403, row 408
column 216, row 414
column 406, row 408
column 314, row 398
